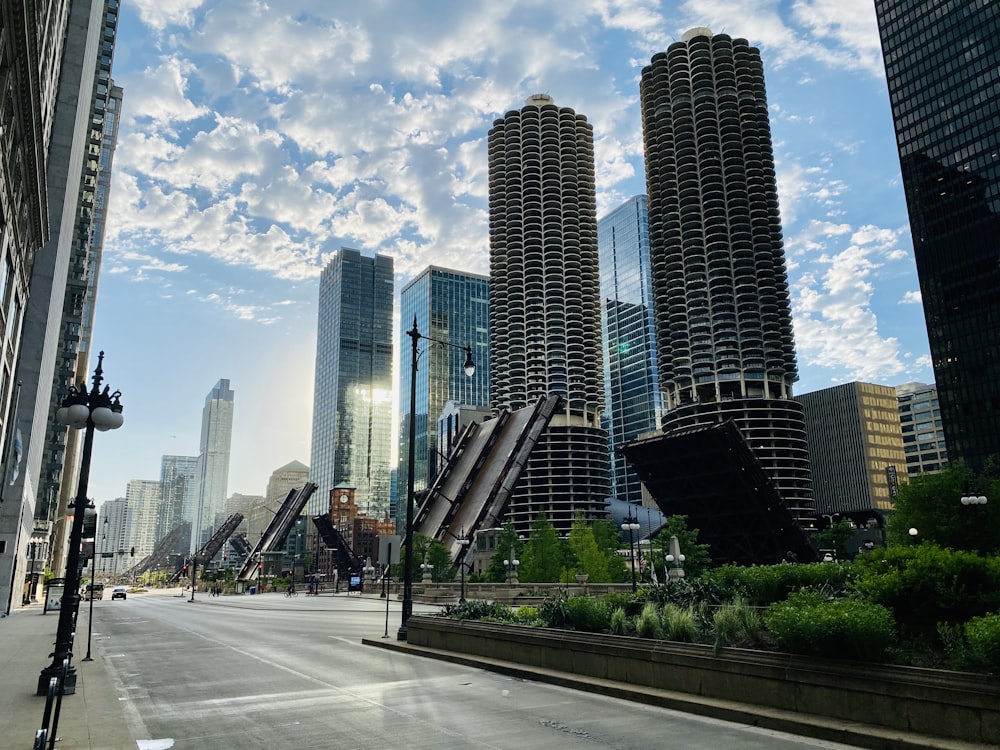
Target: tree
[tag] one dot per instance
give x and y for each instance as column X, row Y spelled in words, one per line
column 609, row 538
column 542, row 558
column 837, row 536
column 931, row 504
column 589, row 557
column 437, row 554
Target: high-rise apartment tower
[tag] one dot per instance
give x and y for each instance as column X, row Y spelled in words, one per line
column 631, row 376
column 352, row 399
column 723, row 318
column 545, row 315
column 942, row 65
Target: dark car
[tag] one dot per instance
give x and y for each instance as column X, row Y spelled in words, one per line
column 118, row 593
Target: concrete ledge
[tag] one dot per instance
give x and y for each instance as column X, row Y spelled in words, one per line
column 948, row 705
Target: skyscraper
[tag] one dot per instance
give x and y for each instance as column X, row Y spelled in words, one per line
column 923, row 436
column 213, row 462
column 723, row 318
column 451, row 306
column 942, row 65
column 352, row 399
column 631, row 376
column 854, row 439
column 142, row 497
column 545, row 314
column 178, row 492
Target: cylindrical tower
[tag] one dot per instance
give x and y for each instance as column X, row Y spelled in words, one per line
column 720, row 288
column 545, row 320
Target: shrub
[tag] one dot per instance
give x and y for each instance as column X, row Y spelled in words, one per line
column 679, row 623
column 983, row 634
column 924, row 585
column 688, row 592
column 806, row 623
column 553, row 611
column 588, row 614
column 527, row 616
column 631, row 603
column 619, row 621
column 762, row 585
column 474, row 609
column 736, row 624
column 647, row 623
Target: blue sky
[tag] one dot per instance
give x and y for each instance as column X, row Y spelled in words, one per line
column 257, row 138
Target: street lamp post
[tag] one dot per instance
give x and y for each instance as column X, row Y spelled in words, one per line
column 630, row 525
column 974, row 500
column 512, row 564
column 100, row 410
column 90, row 614
column 470, row 370
column 463, row 542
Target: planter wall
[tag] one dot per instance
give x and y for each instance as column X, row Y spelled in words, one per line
column 926, row 701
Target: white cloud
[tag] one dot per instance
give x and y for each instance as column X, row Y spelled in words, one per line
column 912, row 298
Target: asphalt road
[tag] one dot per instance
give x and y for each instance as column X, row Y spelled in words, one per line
column 268, row 672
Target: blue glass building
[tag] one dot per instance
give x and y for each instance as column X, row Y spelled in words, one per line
column 451, row 306
column 352, row 399
column 631, row 382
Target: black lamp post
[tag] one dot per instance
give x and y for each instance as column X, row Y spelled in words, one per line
column 630, row 525
column 463, row 543
column 470, row 370
column 90, row 614
column 101, row 410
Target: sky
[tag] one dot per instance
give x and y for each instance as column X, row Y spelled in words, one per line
column 258, row 138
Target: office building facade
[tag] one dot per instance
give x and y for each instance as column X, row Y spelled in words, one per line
column 352, row 397
column 720, row 288
column 213, row 463
column 142, row 497
column 923, row 433
column 451, row 306
column 112, row 534
column 631, row 375
column 545, row 313
column 855, row 447
column 942, row 65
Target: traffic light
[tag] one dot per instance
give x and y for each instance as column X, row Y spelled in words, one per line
column 185, row 567
column 225, row 557
column 133, row 552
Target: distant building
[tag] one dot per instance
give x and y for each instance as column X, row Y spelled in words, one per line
column 289, row 477
column 725, row 343
column 941, row 62
column 178, row 492
column 855, row 447
column 454, row 418
column 451, row 306
column 112, row 531
column 352, row 397
column 142, row 497
column 545, row 306
column 631, row 375
column 923, row 436
column 213, row 462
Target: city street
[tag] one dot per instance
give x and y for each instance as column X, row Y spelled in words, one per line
column 266, row 672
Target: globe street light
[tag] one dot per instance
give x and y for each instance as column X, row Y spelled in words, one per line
column 470, row 370
column 96, row 410
column 974, row 500
column 630, row 525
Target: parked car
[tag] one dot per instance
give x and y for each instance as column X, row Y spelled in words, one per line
column 118, row 593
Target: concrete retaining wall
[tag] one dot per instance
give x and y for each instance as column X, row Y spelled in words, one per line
column 932, row 702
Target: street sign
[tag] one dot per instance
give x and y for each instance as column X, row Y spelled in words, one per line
column 107, row 554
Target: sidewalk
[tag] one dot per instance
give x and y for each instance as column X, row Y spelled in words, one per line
column 92, row 718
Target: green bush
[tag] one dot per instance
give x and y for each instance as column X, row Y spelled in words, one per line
column 647, row 623
column 983, row 634
column 588, row 614
column 679, row 623
column 474, row 609
column 554, row 612
column 807, row 623
column 925, row 585
column 736, row 624
column 761, row 585
column 619, row 621
column 527, row 616
column 687, row 592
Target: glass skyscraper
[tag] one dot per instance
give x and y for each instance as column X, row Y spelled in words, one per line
column 178, row 492
column 213, row 462
column 451, row 306
column 352, row 399
column 631, row 379
column 545, row 306
column 942, row 65
column 723, row 316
